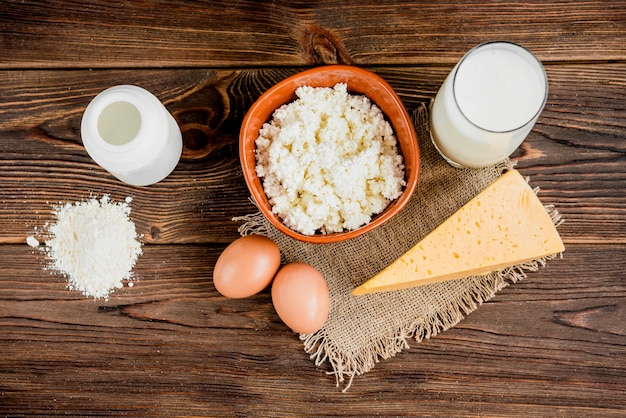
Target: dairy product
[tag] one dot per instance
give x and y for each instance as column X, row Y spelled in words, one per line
column 329, row 161
column 488, row 104
column 129, row 132
column 503, row 226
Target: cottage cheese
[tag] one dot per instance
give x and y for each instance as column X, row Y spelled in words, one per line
column 329, row 161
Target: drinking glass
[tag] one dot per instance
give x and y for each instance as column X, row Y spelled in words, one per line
column 488, row 104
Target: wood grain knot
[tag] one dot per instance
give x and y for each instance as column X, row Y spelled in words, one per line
column 606, row 318
column 155, row 232
column 323, row 46
column 200, row 116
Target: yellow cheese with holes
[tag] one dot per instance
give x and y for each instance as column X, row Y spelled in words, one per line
column 505, row 225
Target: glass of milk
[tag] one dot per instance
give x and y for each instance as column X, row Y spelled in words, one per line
column 488, row 104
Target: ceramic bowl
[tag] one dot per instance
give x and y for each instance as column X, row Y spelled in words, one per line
column 359, row 81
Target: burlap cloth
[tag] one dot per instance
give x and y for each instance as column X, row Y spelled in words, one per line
column 361, row 330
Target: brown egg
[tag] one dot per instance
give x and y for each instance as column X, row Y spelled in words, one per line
column 246, row 266
column 300, row 297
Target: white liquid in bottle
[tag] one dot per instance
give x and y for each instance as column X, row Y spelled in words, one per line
column 488, row 104
column 119, row 123
column 128, row 132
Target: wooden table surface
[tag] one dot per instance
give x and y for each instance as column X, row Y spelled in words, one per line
column 551, row 345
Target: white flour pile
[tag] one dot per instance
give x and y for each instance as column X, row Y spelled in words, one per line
column 94, row 244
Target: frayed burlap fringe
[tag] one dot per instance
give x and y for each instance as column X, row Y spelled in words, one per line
column 447, row 316
column 360, row 331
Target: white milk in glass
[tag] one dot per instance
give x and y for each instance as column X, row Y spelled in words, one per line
column 488, row 104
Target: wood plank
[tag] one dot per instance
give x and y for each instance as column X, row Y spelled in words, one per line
column 575, row 153
column 222, row 34
column 171, row 345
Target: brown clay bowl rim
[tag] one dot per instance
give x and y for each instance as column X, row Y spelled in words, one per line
column 283, row 92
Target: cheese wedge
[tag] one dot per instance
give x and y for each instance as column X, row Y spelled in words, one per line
column 505, row 225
